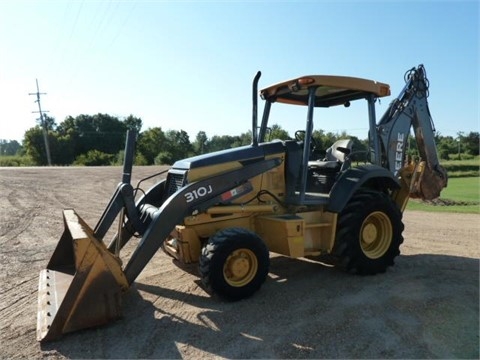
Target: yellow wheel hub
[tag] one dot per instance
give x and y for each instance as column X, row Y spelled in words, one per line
column 376, row 235
column 240, row 267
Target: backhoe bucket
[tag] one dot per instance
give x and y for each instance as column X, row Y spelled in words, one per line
column 429, row 183
column 82, row 285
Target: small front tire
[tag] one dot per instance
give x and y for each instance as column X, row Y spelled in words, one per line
column 234, row 263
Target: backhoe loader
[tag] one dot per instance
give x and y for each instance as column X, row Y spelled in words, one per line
column 228, row 210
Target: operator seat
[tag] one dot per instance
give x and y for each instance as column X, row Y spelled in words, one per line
column 322, row 173
column 335, row 156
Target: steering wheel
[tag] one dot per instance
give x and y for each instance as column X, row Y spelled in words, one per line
column 300, row 136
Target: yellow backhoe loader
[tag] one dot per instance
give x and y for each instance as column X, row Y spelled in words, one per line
column 228, row 210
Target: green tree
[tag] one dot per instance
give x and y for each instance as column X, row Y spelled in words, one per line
column 276, row 132
column 200, row 145
column 61, row 149
column 245, row 138
column 60, row 145
column 359, row 149
column 150, row 143
column 49, row 122
column 472, row 143
column 9, row 147
column 447, row 145
column 178, row 146
column 324, row 140
column 222, row 142
column 109, row 134
column 133, row 123
column 411, row 147
column 100, row 132
column 35, row 146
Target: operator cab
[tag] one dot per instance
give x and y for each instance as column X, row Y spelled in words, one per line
column 309, row 182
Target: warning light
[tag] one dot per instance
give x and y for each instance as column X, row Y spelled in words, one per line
column 306, row 81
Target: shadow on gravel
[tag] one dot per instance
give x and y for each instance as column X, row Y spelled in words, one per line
column 426, row 306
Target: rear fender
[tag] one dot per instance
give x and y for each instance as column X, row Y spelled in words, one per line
column 371, row 176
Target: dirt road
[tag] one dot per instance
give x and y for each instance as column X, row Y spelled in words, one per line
column 426, row 306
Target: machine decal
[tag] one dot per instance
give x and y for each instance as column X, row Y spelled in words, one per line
column 198, row 193
column 399, row 151
column 237, row 192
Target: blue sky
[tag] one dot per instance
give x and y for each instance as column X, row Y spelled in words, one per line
column 189, row 64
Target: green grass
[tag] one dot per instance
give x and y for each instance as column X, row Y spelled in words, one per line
column 462, row 189
column 461, row 195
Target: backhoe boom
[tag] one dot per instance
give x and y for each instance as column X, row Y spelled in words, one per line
column 410, row 110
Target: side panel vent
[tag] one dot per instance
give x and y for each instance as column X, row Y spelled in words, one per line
column 176, row 180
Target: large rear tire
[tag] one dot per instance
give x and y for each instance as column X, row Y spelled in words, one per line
column 234, row 263
column 369, row 233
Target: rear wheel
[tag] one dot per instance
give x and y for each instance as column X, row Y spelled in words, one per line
column 234, row 263
column 369, row 233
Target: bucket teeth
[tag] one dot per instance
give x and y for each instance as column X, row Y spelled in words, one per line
column 51, row 290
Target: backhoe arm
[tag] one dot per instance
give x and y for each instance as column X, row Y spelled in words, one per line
column 410, row 109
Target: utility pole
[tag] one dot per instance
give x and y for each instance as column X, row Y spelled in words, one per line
column 43, row 123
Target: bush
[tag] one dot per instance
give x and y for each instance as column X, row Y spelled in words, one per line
column 139, row 160
column 461, row 156
column 16, row 160
column 444, row 154
column 466, row 156
column 94, row 158
column 463, row 168
column 164, row 158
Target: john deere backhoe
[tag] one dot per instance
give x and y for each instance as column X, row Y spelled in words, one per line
column 227, row 210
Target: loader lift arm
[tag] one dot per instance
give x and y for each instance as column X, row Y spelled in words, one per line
column 183, row 203
column 123, row 198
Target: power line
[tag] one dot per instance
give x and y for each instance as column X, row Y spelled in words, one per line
column 43, row 123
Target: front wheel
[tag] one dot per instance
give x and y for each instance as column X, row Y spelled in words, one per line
column 234, row 263
column 369, row 233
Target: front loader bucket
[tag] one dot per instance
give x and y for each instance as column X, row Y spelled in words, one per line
column 82, row 285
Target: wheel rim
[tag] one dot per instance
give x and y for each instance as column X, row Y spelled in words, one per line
column 376, row 235
column 240, row 267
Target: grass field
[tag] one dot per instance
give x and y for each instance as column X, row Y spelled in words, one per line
column 461, row 195
column 462, row 168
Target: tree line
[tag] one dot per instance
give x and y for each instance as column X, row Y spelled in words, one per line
column 100, row 139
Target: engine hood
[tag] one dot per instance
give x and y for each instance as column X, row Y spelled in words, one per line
column 243, row 154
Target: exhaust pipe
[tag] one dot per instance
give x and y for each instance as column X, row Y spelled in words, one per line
column 255, row 108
